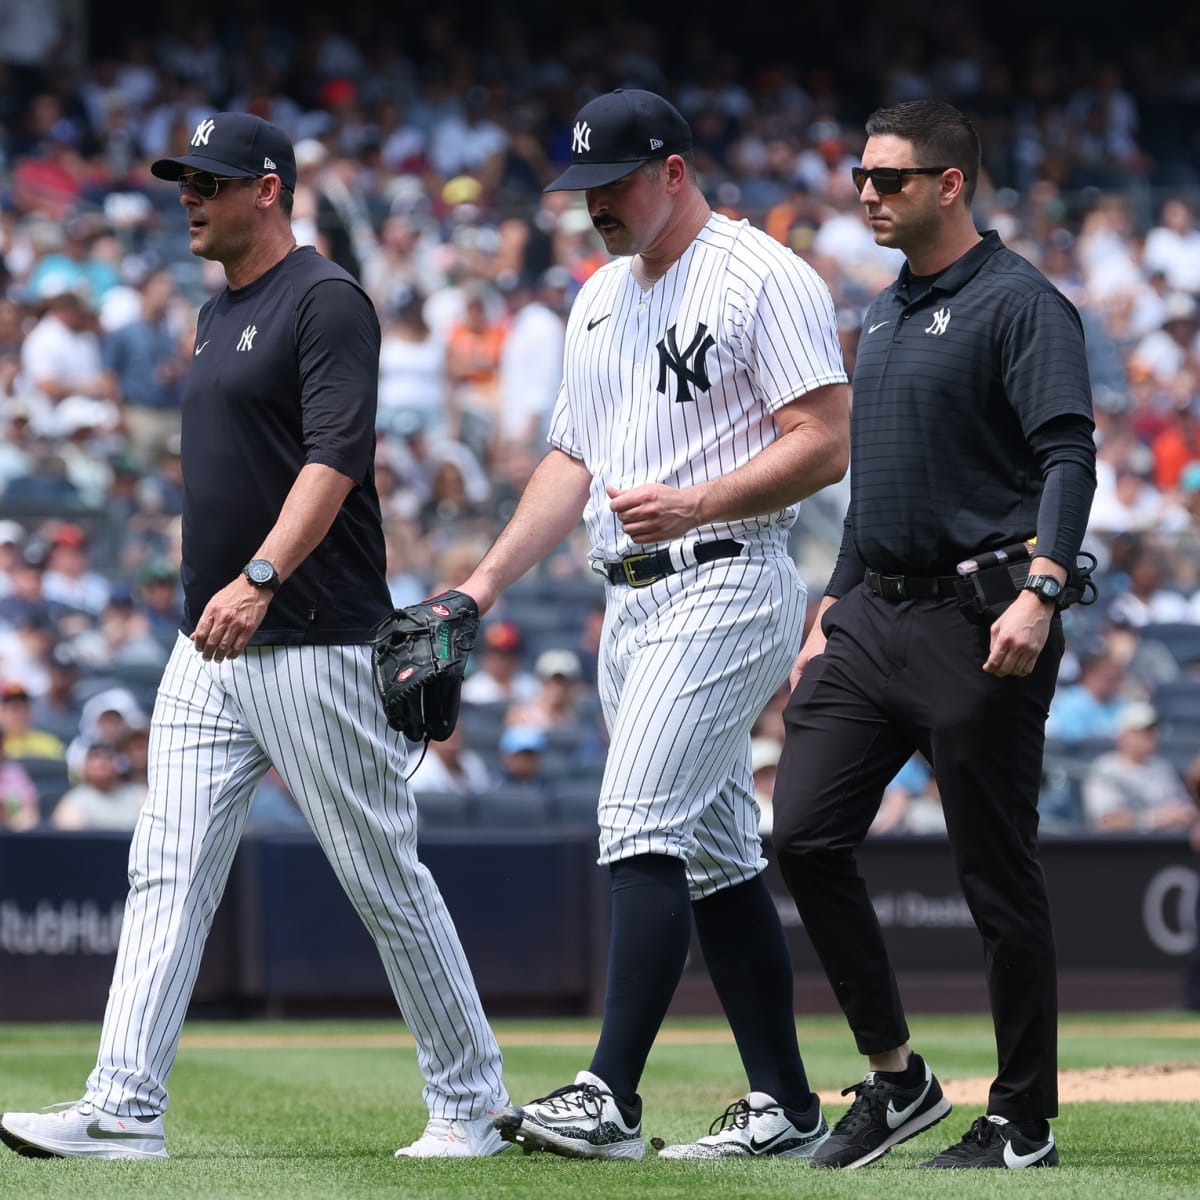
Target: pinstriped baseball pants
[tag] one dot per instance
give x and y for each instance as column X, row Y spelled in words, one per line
column 687, row 666
column 312, row 712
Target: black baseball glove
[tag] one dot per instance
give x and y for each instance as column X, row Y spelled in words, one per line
column 419, row 655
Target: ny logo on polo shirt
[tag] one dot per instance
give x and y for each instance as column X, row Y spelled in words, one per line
column 941, row 319
column 247, row 338
column 671, row 358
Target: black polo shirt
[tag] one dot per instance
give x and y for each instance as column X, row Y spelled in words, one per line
column 284, row 373
column 951, row 379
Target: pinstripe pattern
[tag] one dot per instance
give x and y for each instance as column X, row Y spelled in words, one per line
column 775, row 338
column 688, row 664
column 217, row 727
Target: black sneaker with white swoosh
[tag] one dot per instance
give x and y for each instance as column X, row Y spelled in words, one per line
column 755, row 1126
column 994, row 1142
column 883, row 1115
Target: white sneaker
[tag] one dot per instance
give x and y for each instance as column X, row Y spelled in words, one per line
column 446, row 1138
column 755, row 1126
column 78, row 1130
column 581, row 1120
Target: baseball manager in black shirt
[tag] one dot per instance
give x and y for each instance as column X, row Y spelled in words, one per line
column 971, row 432
column 283, row 575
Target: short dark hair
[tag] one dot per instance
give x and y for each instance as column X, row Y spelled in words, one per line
column 654, row 167
column 287, row 200
column 940, row 136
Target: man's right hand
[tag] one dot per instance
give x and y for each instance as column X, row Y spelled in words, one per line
column 814, row 643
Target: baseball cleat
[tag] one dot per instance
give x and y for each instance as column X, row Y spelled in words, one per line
column 994, row 1142
column 883, row 1115
column 79, row 1130
column 581, row 1120
column 446, row 1138
column 753, row 1127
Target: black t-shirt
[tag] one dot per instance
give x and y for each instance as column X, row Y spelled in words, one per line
column 953, row 375
column 284, row 373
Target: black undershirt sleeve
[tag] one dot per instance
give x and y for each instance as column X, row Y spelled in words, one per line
column 1066, row 452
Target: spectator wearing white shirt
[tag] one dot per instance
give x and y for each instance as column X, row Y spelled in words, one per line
column 1173, row 246
column 1133, row 788
column 530, row 368
column 451, row 766
column 61, row 357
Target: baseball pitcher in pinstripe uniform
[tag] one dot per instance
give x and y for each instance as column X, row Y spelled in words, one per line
column 283, row 574
column 703, row 396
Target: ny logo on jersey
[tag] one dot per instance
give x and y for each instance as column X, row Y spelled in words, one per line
column 203, row 132
column 247, row 338
column 581, row 138
column 941, row 319
column 688, row 365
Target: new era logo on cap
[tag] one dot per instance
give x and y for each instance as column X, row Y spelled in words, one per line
column 618, row 132
column 234, row 144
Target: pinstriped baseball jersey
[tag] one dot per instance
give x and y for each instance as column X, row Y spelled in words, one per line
column 676, row 384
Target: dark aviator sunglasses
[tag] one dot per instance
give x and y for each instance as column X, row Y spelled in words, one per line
column 887, row 181
column 205, row 184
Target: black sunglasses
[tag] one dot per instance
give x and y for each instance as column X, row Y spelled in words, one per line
column 887, row 181
column 205, row 184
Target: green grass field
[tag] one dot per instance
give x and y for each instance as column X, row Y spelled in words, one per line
column 313, row 1109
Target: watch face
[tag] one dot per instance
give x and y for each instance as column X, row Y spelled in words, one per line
column 1045, row 586
column 260, row 571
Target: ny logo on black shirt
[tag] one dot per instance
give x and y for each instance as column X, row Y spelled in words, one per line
column 671, row 359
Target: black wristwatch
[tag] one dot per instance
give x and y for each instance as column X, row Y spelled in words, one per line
column 261, row 572
column 1044, row 587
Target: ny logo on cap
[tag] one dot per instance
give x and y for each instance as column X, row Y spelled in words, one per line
column 581, row 138
column 203, row 132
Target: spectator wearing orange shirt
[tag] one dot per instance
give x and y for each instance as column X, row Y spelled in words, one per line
column 473, row 347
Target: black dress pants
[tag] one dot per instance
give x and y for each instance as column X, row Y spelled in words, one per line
column 899, row 677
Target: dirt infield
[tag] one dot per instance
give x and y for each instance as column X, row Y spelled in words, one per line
column 1113, row 1085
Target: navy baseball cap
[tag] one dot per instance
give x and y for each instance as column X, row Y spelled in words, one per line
column 618, row 132
column 235, row 144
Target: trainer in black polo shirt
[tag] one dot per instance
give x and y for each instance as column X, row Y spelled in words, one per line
column 971, row 432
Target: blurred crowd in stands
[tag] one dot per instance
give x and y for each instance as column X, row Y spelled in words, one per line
column 421, row 161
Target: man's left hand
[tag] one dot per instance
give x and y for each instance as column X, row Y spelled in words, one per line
column 654, row 512
column 1018, row 635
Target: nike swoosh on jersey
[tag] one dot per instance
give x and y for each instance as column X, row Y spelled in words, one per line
column 879, row 325
column 596, row 321
column 201, row 346
column 896, row 1118
column 1013, row 1159
column 96, row 1130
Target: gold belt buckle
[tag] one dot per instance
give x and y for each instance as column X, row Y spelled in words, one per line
column 629, row 578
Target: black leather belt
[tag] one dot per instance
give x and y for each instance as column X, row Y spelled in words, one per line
column 638, row 570
column 912, row 587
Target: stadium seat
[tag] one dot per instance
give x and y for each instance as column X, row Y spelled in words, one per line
column 1181, row 638
column 575, row 802
column 443, row 810
column 513, row 805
